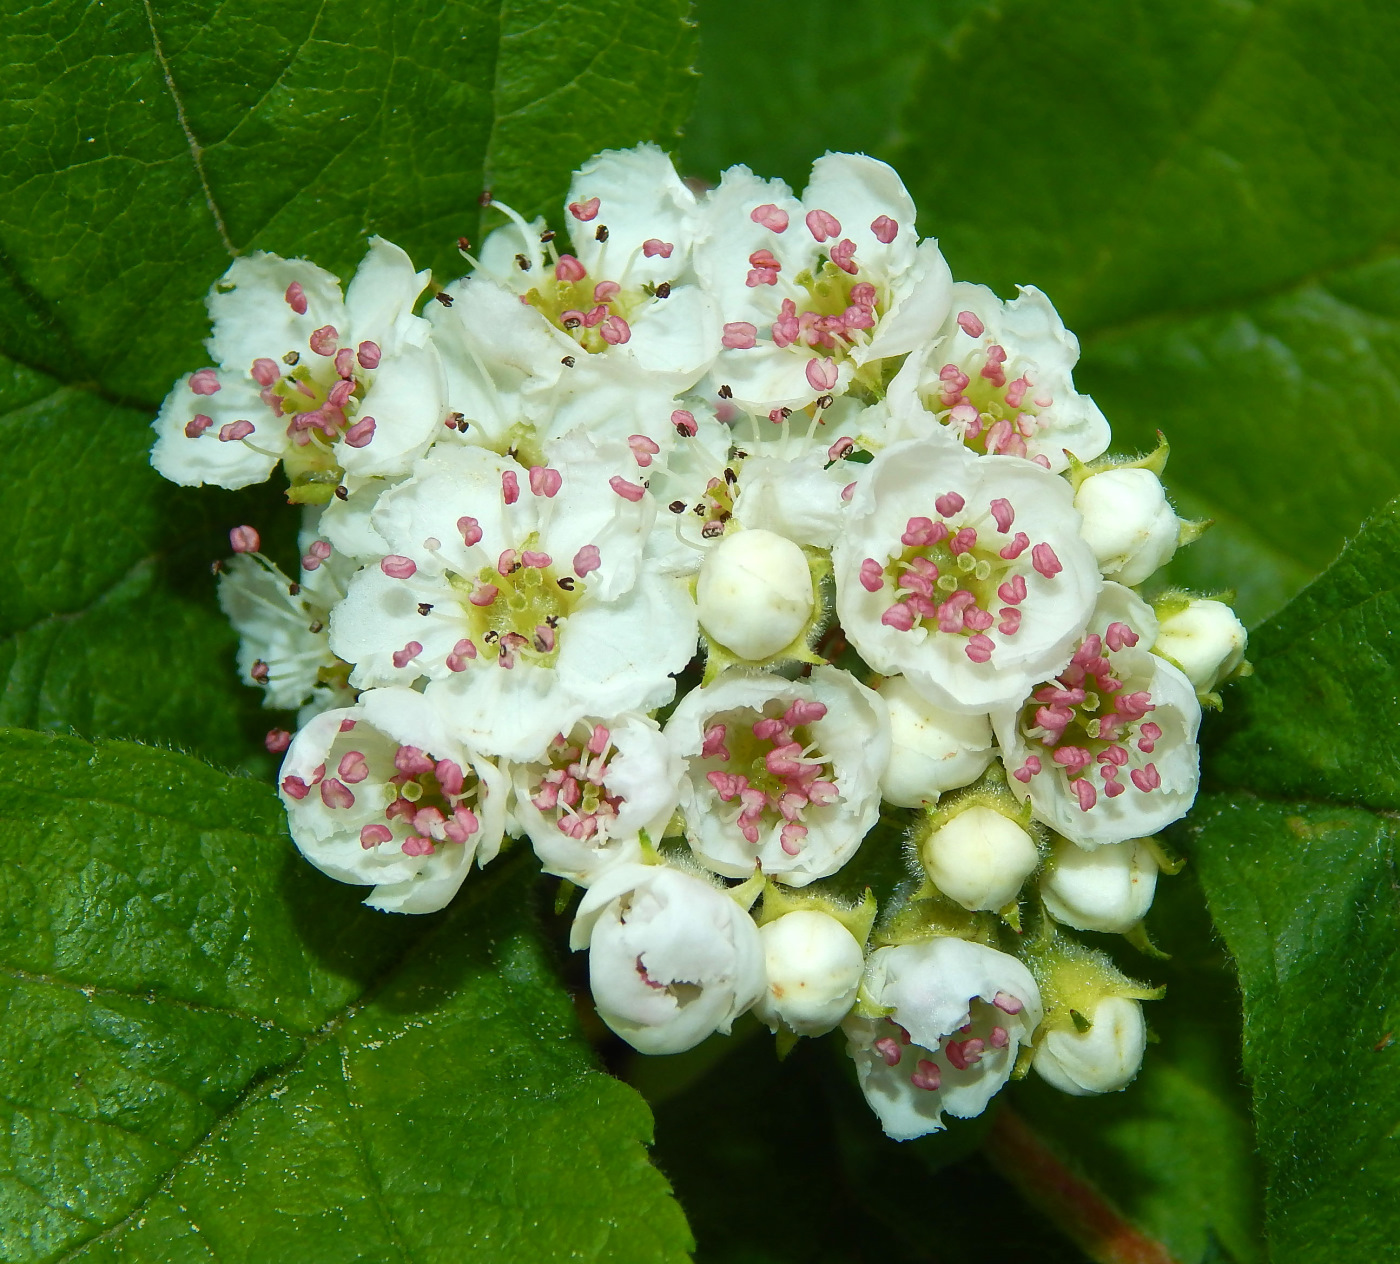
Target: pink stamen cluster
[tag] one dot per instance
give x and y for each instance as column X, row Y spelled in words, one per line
column 599, row 315
column 931, row 549
column 1078, row 738
column 575, row 787
column 961, row 1054
column 1004, row 420
column 440, row 781
column 802, row 781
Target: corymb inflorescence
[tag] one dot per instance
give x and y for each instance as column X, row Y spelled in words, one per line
column 728, row 553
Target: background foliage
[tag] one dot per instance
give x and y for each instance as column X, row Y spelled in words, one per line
column 211, row 1052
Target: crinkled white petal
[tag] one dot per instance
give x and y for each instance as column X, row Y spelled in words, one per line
column 932, row 750
column 380, row 298
column 1103, row 1059
column 1108, row 889
column 407, row 399
column 798, row 498
column 192, row 462
column 918, row 305
column 858, row 190
column 251, row 315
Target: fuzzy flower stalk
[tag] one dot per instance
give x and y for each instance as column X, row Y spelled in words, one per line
column 773, row 588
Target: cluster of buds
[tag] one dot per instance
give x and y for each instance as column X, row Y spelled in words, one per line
column 690, row 546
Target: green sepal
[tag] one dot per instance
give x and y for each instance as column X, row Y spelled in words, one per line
column 857, row 918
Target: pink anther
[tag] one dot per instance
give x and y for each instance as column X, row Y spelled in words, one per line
column 462, row 653
column 373, row 835
column 822, row 374
column 654, row 246
column 969, row 323
column 508, row 562
column 964, row 1053
column 1000, row 1038
column 359, row 435
column 1072, row 759
column 975, row 619
column 628, row 491
column 888, row 1048
column 265, row 372
column 979, row 648
column 345, row 370
column 368, row 354
column 277, row 740
column 484, row 595
column 714, row 747
column 1023, row 774
column 244, row 540
column 1013, row 591
column 841, row 255
column 1086, row 793
column 949, row 504
column 353, row 767
column 569, row 269
column 899, row 616
column 963, row 542
column 335, row 794
column 195, row 428
column 324, row 340
column 403, row 657
column 771, row 217
column 585, row 210
column 295, row 788
column 885, row 229
column 615, row 331
column 1119, row 635
column 843, row 447
column 450, row 776
column 684, row 422
column 396, row 566
column 234, row 431
column 412, row 761
column 920, row 532
column 471, row 529
column 791, row 836
column 510, row 487
column 823, row 225
column 1003, row 513
column 533, row 559
column 739, row 335
column 643, row 449
column 1044, row 560
column 204, row 382
column 1010, row 621
column 413, row 845
column 587, row 559
column 1146, row 779
column 926, row 1074
column 296, row 298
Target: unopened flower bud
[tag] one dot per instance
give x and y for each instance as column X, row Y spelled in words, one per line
column 755, row 593
column 932, row 750
column 814, row 966
column 1128, row 523
column 1205, row 639
column 1107, row 889
column 671, row 958
column 979, row 858
column 1102, row 1059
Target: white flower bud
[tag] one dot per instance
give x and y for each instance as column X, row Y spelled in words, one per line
column 814, row 966
column 755, row 593
column 1205, row 639
column 671, row 958
column 931, row 750
column 1107, row 889
column 1128, row 523
column 980, row 858
column 1103, row 1059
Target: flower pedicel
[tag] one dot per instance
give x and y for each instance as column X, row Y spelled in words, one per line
column 709, row 550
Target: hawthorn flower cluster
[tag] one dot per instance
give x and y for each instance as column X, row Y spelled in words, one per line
column 717, row 546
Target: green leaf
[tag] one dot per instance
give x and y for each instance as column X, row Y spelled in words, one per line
column 149, row 142
column 212, row 1052
column 1304, row 895
column 1321, row 716
column 1208, row 193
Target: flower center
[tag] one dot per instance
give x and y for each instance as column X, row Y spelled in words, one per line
column 1086, row 719
column 575, row 787
column 949, row 578
column 983, row 404
column 596, row 315
column 767, row 762
column 960, row 1051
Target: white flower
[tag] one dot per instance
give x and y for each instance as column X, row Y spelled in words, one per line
column 625, row 293
column 783, row 773
column 519, row 593
column 755, row 593
column 585, row 803
column 932, row 750
column 1202, row 637
column 330, row 387
column 979, row 858
column 998, row 377
column 380, row 794
column 283, row 645
column 671, row 959
column 1106, row 750
column 957, row 1013
column 1108, row 889
column 816, row 294
column 1128, row 523
column 1103, row 1059
column 813, row 966
column 967, row 574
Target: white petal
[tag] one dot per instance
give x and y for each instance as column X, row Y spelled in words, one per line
column 407, row 399
column 192, row 462
column 252, row 319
